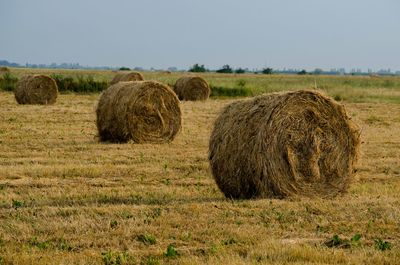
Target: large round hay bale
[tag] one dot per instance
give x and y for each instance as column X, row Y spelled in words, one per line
column 4, row 69
column 283, row 145
column 141, row 111
column 192, row 88
column 131, row 76
column 36, row 89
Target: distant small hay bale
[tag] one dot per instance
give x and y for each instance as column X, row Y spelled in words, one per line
column 131, row 76
column 141, row 111
column 36, row 89
column 284, row 145
column 4, row 69
column 192, row 88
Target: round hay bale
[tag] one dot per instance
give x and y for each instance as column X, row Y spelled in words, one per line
column 36, row 89
column 141, row 111
column 4, row 69
column 283, row 145
column 192, row 88
column 131, row 76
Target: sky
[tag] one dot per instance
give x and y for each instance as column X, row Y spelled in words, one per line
column 298, row 34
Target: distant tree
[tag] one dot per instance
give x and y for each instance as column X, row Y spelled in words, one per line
column 196, row 68
column 172, row 69
column 267, row 71
column 240, row 71
column 123, row 68
column 225, row 69
column 318, row 71
column 302, row 72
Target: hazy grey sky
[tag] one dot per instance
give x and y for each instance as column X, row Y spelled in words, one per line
column 160, row 33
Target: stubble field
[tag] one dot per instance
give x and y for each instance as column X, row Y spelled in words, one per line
column 66, row 198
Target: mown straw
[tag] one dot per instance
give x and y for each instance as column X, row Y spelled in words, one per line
column 284, row 144
column 140, row 111
column 131, row 76
column 36, row 89
column 192, row 88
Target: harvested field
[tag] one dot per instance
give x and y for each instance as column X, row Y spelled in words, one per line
column 66, row 198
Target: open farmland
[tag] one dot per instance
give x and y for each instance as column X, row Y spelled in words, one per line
column 376, row 89
column 65, row 198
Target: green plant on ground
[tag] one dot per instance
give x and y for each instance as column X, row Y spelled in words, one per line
column 355, row 240
column 113, row 223
column 151, row 260
column 337, row 242
column 147, row 239
column 241, row 83
column 34, row 242
column 171, row 252
column 64, row 245
column 382, row 245
column 115, row 258
column 17, row 204
column 217, row 91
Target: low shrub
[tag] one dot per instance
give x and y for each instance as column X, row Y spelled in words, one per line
column 8, row 82
column 241, row 91
column 81, row 84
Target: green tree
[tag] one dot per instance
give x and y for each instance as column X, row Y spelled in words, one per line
column 267, row 71
column 302, row 72
column 318, row 71
column 240, row 71
column 196, row 68
column 225, row 69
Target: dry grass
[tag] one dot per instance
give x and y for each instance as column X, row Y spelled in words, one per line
column 65, row 198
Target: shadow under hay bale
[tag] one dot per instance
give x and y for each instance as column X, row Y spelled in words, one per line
column 192, row 88
column 36, row 89
column 123, row 77
column 285, row 144
column 140, row 111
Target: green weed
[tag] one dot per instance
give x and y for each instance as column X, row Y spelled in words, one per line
column 171, row 252
column 218, row 91
column 382, row 245
column 111, row 258
column 147, row 239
